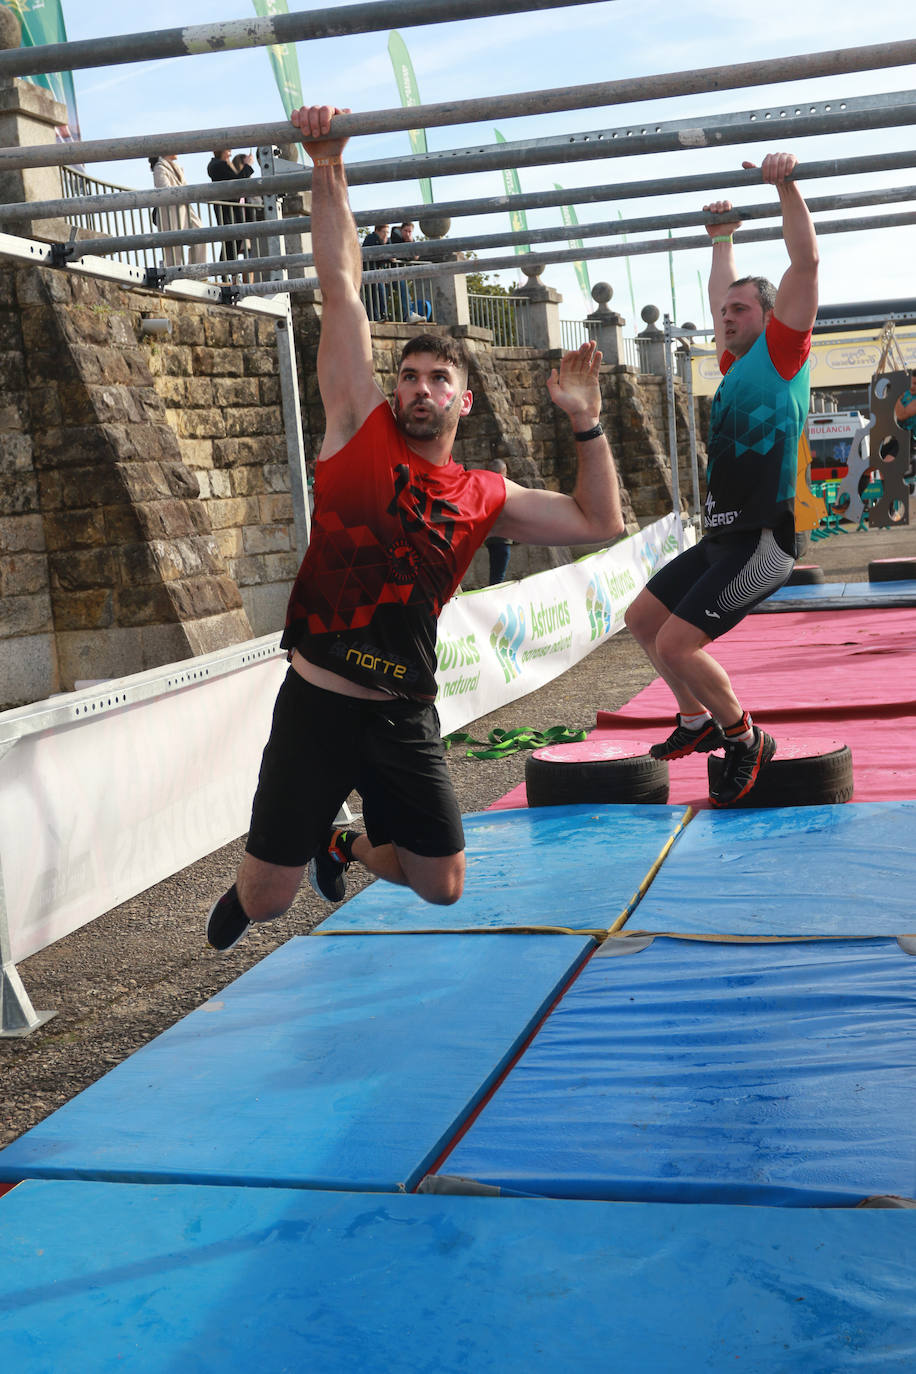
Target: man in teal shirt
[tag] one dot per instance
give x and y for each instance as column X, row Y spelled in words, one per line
column 905, row 408
column 763, row 337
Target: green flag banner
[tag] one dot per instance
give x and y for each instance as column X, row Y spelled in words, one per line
column 629, row 276
column 570, row 219
column 42, row 21
column 283, row 59
column 517, row 218
column 410, row 95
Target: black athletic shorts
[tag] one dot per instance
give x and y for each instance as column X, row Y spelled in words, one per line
column 323, row 746
column 714, row 584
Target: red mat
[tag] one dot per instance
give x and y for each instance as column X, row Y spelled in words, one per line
column 804, row 676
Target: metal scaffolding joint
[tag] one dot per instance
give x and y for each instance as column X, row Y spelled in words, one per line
column 156, row 278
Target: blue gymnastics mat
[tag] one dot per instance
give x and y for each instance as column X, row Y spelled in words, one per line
column 343, row 1064
column 807, row 870
column 572, row 867
column 161, row 1280
column 839, row 596
column 769, row 1074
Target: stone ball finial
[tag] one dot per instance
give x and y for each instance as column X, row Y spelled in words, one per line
column 436, row 227
column 689, row 327
column 650, row 314
column 290, row 152
column 602, row 292
column 10, row 29
column 533, row 270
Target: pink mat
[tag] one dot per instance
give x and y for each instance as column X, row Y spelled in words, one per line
column 805, row 676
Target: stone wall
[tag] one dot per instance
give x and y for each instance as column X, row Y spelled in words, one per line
column 216, row 375
column 145, row 514
column 132, row 486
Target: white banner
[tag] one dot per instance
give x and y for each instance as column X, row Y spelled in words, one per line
column 94, row 811
column 500, row 643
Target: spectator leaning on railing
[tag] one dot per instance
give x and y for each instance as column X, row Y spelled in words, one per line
column 167, row 171
column 376, row 304
column 415, row 311
column 221, row 167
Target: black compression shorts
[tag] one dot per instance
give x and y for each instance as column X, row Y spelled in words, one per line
column 714, row 584
column 323, row 746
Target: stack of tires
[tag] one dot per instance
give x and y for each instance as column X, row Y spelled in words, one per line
column 595, row 771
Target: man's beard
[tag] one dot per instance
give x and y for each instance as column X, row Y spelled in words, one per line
column 431, row 426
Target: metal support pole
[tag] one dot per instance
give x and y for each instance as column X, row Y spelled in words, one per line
column 653, row 136
column 672, row 430
column 594, row 253
column 17, row 1015
column 292, row 428
column 197, row 39
column 692, row 433
column 558, row 232
column 521, row 105
column 474, row 243
column 700, row 183
column 289, row 381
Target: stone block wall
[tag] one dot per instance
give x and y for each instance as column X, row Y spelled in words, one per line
column 639, row 404
column 217, row 377
column 109, row 560
column 28, row 653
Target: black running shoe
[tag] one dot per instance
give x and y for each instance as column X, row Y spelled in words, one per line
column 327, row 869
column 683, row 741
column 227, row 922
column 743, row 763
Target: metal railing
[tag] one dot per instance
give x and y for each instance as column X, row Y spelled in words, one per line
column 400, row 302
column 643, row 355
column 505, row 316
column 116, row 222
column 574, row 333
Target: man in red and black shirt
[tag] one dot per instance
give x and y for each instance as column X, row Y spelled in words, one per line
column 395, row 526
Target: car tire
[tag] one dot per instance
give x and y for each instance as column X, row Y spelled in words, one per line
column 595, row 772
column 803, row 574
column 806, row 776
column 892, row 570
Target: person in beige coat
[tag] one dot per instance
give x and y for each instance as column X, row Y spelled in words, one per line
column 167, row 171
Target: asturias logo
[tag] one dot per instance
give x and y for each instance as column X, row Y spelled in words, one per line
column 506, row 639
column 599, row 607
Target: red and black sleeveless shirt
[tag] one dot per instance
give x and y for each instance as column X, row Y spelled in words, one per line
column 392, row 537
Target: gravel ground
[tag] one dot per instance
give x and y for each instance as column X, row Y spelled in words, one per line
column 130, row 974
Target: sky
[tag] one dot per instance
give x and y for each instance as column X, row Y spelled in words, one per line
column 532, row 52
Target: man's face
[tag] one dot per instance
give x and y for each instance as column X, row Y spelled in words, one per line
column 430, row 397
column 743, row 318
column 407, row 232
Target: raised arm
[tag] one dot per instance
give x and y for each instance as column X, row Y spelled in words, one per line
column 722, row 271
column 796, row 298
column 591, row 515
column 346, row 377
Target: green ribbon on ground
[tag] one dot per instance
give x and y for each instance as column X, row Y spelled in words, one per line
column 500, row 743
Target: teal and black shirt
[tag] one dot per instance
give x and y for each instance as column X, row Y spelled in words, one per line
column 758, row 415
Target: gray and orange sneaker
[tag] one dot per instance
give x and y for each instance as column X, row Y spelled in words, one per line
column 683, row 741
column 743, row 763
